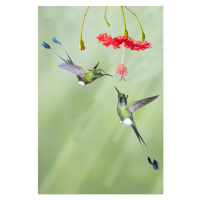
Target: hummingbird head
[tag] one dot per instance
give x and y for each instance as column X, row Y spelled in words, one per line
column 99, row 72
column 122, row 97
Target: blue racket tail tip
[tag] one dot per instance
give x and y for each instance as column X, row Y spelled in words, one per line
column 155, row 164
column 45, row 45
column 56, row 41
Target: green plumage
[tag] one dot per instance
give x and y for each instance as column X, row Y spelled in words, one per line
column 125, row 111
column 84, row 76
column 90, row 75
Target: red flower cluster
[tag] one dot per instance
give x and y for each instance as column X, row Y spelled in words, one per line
column 121, row 69
column 107, row 40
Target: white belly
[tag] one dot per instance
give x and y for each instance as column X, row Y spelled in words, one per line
column 81, row 83
column 127, row 122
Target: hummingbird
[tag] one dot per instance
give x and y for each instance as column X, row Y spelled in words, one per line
column 85, row 76
column 125, row 112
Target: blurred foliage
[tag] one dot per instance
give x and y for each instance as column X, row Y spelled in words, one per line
column 83, row 149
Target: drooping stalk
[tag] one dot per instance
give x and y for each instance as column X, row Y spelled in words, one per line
column 83, row 23
column 142, row 33
column 105, row 17
column 125, row 30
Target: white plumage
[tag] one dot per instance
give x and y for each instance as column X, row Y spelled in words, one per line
column 81, row 83
column 127, row 122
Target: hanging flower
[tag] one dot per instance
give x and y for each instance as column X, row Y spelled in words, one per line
column 130, row 43
column 122, row 71
column 81, row 45
column 105, row 39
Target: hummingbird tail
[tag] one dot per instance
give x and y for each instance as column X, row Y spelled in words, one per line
column 60, row 57
column 69, row 60
column 154, row 163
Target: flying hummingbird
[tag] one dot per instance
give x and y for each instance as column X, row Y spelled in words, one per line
column 85, row 76
column 125, row 112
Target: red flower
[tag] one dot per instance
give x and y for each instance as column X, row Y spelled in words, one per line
column 121, row 69
column 107, row 40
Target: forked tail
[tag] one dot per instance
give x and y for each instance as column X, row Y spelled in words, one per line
column 147, row 151
column 45, row 45
column 69, row 60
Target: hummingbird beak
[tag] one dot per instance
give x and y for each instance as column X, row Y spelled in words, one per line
column 108, row 75
column 117, row 90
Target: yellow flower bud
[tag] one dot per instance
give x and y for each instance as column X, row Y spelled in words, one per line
column 143, row 37
column 125, row 34
column 81, row 45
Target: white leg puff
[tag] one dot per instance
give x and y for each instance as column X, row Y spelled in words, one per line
column 81, row 83
column 127, row 122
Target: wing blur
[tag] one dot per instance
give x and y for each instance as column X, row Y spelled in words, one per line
column 72, row 68
column 141, row 103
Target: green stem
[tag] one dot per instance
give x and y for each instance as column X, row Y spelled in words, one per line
column 83, row 23
column 105, row 17
column 136, row 19
column 123, row 19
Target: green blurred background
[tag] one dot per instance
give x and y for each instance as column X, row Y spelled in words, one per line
column 83, row 148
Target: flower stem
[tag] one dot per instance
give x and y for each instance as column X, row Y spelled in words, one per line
column 142, row 33
column 123, row 19
column 105, row 17
column 83, row 23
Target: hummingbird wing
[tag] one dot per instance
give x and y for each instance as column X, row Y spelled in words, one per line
column 141, row 103
column 73, row 68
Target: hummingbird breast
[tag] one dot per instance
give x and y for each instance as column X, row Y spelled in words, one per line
column 124, row 113
column 87, row 79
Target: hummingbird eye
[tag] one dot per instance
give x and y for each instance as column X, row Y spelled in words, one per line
column 99, row 72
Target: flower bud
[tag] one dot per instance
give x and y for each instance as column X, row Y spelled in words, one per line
column 143, row 37
column 125, row 34
column 81, row 45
